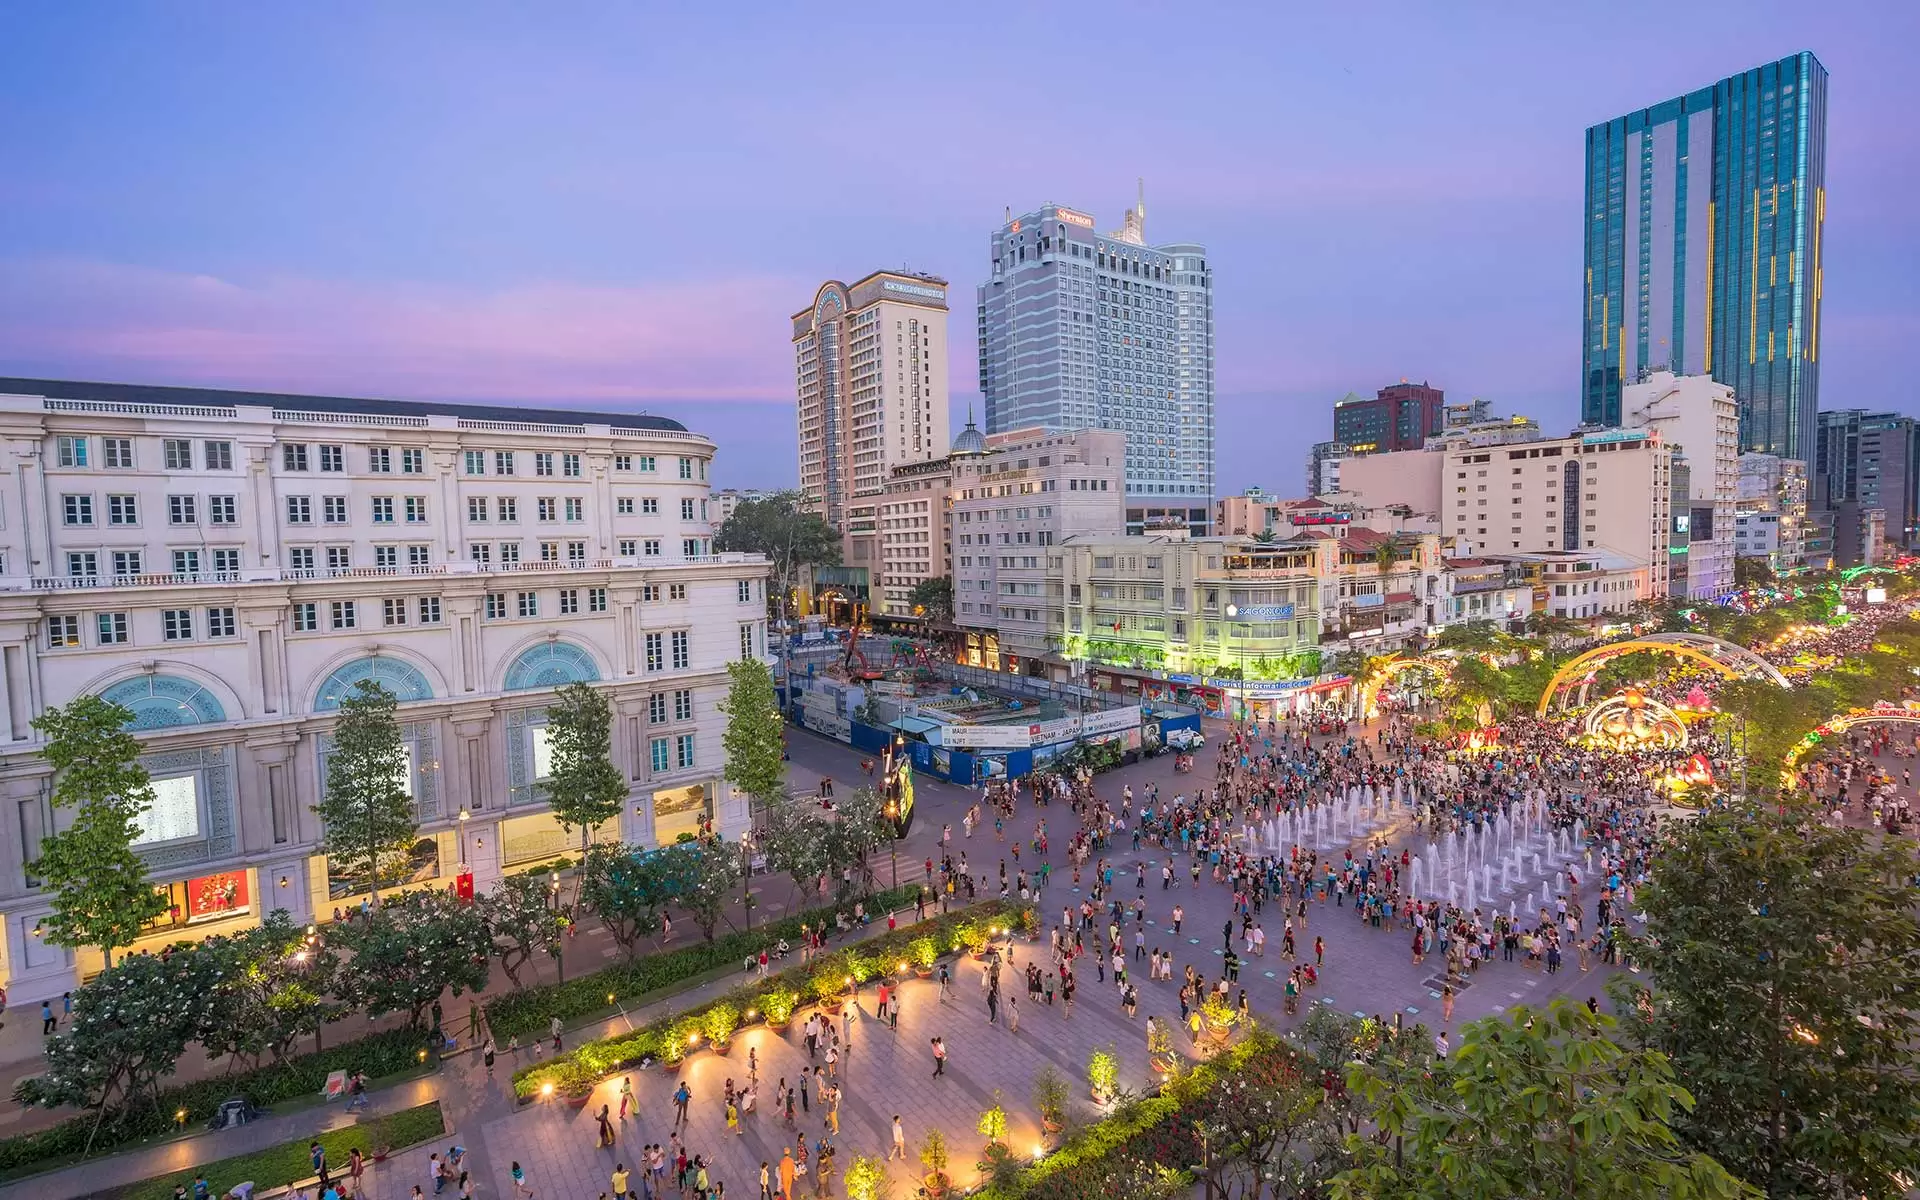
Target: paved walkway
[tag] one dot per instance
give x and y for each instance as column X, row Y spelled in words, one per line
column 1366, row 971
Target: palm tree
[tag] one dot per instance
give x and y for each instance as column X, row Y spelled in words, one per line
column 1387, row 555
column 1266, row 537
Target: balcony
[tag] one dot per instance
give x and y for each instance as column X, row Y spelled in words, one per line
column 266, row 575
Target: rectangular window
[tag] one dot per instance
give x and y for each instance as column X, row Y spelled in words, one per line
column 226, row 564
column 496, row 608
column 393, row 610
column 683, row 750
column 299, row 510
column 293, row 457
column 117, row 453
column 223, row 510
column 543, row 463
column 183, row 510
column 480, row 552
column 503, row 462
column 569, row 601
column 413, row 461
column 111, row 628
column 597, row 599
column 657, row 753
column 576, row 509
column 220, row 622
column 386, row 558
column 650, row 506
column 416, row 510
column 624, row 506
column 623, row 462
column 550, row 552
column 676, row 591
column 686, row 510
column 576, row 553
column 339, row 558
column 657, row 708
column 219, row 455
column 128, row 563
column 177, row 453
column 476, row 508
column 529, row 603
column 71, row 451
column 305, row 618
column 681, row 656
column 683, row 704
column 690, row 547
column 429, row 610
column 548, row 508
column 686, row 468
column 629, row 547
column 474, row 462
column 300, row 558
column 63, row 631
column 649, row 593
column 380, row 460
column 506, row 508
column 186, row 562
column 656, row 652
column 77, row 510
column 746, row 642
column 570, row 465
column 743, row 591
column 343, row 614
column 509, row 553
column 646, row 462
column 82, row 564
column 176, row 624
column 122, row 510
column 419, row 555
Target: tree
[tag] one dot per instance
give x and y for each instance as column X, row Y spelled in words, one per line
column 1386, row 556
column 795, row 839
column 1268, row 1125
column 790, row 537
column 584, row 789
column 1472, row 635
column 522, row 923
column 274, row 988
column 364, row 806
column 626, row 888
column 858, row 828
column 1751, row 572
column 933, row 597
column 130, row 1025
column 411, row 950
column 754, row 740
column 1784, row 960
column 1532, row 1103
column 701, row 876
column 97, row 884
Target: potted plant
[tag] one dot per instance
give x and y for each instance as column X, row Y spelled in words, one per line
column 975, row 937
column 1050, row 1097
column 933, row 1156
column 830, row 979
column 1218, row 1018
column 866, row 1178
column 1103, row 1075
column 573, row 1081
column 1029, row 922
column 718, row 1024
column 778, row 1006
column 1160, row 1055
column 683, row 1037
column 923, row 955
column 993, row 1122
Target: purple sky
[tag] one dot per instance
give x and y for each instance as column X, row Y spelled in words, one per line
column 622, row 208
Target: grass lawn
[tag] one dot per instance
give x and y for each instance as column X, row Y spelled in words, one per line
column 280, row 1165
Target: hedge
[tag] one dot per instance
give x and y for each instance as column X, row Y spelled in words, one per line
column 527, row 1010
column 669, row 1038
column 278, row 1166
column 298, row 1078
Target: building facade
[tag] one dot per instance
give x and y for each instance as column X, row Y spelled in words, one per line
column 1704, row 251
column 1770, row 511
column 1083, row 331
column 916, row 533
column 1401, row 416
column 724, row 501
column 1871, row 459
column 1696, row 415
column 228, row 565
column 1026, row 491
column 870, row 369
column 1323, row 467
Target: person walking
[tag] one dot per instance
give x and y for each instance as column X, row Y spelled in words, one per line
column 48, row 1022
column 939, row 1057
column 618, row 1180
column 899, row 1149
column 1446, row 1003
column 682, row 1096
column 786, row 1173
column 605, row 1122
column 486, row 1055
column 520, row 1187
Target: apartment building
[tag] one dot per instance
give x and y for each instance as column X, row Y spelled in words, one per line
column 228, row 565
column 1027, row 490
column 1699, row 417
column 1770, row 511
column 1581, row 585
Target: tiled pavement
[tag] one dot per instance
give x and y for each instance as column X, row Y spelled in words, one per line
column 1366, row 971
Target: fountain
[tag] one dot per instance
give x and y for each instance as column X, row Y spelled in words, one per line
column 1472, row 895
column 1486, row 878
column 1536, row 864
column 1413, row 876
column 1506, row 877
column 1453, row 893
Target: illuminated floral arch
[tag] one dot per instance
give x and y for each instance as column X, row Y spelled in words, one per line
column 1730, row 660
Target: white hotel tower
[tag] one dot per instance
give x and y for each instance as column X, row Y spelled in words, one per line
column 227, row 565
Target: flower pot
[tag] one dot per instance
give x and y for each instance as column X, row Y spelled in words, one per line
column 1162, row 1064
column 924, row 972
column 1051, row 1125
column 580, row 1101
column 1099, row 1097
column 780, row 1026
column 722, row 1047
column 937, row 1184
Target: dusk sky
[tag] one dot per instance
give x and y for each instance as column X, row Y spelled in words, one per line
column 621, row 205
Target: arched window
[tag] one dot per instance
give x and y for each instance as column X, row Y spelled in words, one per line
column 165, row 701
column 550, row 664
column 398, row 676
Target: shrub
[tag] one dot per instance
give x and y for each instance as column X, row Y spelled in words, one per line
column 933, row 1151
column 1103, row 1072
column 993, row 1122
column 777, row 1005
column 922, row 953
column 1050, row 1095
column 719, row 1022
column 973, row 935
column 866, row 1178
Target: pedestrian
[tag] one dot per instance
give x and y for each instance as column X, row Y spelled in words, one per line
column 553, row 1027
column 899, row 1149
column 519, row 1176
column 939, row 1057
column 766, row 1181
column 627, row 1097
column 47, row 1020
column 486, row 1056
column 946, row 983
column 682, row 1096
column 606, row 1128
column 619, row 1181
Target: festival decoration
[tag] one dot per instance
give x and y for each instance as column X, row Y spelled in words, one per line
column 1631, row 720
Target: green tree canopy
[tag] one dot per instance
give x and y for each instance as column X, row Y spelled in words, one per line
column 97, row 884
column 406, row 953
column 779, row 527
column 584, row 788
column 626, row 888
column 934, row 597
column 702, row 876
column 1531, row 1103
column 522, row 922
column 755, row 739
column 1783, row 961
column 364, row 807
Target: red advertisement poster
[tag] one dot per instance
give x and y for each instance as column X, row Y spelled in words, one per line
column 216, row 895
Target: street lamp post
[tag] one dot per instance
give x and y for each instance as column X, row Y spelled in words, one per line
column 465, row 816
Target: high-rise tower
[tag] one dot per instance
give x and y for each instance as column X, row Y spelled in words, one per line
column 1703, row 249
column 1082, row 330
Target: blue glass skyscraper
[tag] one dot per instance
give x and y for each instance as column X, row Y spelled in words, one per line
column 1703, row 249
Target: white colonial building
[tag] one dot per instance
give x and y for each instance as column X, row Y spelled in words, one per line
column 227, row 565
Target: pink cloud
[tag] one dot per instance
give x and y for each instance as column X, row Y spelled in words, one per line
column 705, row 339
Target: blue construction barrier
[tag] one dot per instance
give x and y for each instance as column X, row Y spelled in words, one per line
column 869, row 739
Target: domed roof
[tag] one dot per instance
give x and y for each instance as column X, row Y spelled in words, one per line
column 970, row 440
